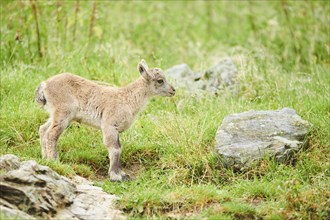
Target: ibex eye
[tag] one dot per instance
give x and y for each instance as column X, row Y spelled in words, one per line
column 160, row 81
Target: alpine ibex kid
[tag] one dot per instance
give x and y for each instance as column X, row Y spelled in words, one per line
column 70, row 98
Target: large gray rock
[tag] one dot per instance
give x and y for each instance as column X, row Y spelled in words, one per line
column 31, row 191
column 211, row 80
column 246, row 137
column 33, row 188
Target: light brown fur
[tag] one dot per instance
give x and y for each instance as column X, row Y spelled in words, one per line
column 68, row 98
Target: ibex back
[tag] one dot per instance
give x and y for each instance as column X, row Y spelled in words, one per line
column 68, row 98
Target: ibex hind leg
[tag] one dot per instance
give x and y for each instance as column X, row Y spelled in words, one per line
column 42, row 131
column 58, row 122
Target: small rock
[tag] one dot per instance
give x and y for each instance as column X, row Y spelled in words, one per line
column 246, row 137
column 212, row 80
column 180, row 71
column 222, row 74
column 183, row 76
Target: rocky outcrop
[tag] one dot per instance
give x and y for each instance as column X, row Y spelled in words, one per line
column 211, row 80
column 246, row 137
column 31, row 191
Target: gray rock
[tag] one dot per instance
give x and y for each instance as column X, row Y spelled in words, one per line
column 29, row 190
column 246, row 137
column 9, row 162
column 180, row 71
column 9, row 213
column 212, row 80
column 221, row 75
column 184, row 77
column 35, row 189
column 91, row 203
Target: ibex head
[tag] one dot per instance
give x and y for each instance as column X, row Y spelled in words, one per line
column 156, row 80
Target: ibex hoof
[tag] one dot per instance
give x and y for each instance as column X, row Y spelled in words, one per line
column 50, row 157
column 114, row 177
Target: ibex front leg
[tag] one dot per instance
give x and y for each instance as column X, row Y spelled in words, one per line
column 111, row 140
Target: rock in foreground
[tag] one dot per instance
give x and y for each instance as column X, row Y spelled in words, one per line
column 31, row 191
column 246, row 137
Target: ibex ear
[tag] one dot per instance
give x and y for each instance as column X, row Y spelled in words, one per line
column 143, row 69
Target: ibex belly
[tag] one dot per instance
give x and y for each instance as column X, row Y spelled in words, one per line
column 89, row 119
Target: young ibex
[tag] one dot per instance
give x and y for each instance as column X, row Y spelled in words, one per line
column 69, row 98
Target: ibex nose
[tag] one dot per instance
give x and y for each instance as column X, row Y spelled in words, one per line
column 173, row 91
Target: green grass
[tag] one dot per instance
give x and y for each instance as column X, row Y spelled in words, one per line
column 282, row 53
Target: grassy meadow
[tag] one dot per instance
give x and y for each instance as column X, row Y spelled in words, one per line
column 281, row 49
